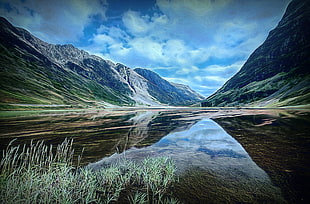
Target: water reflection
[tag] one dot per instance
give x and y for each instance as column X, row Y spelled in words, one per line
column 101, row 133
column 280, row 144
column 206, row 136
column 277, row 140
column 207, row 148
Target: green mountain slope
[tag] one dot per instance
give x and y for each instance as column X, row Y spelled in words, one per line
column 277, row 73
column 29, row 77
column 35, row 72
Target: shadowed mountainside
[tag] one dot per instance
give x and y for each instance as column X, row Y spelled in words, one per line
column 277, row 73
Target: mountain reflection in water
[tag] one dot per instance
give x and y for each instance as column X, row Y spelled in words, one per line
column 207, row 149
column 277, row 140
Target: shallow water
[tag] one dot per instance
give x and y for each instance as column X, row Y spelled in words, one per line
column 248, row 156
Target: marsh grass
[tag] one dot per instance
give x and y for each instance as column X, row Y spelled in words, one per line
column 39, row 173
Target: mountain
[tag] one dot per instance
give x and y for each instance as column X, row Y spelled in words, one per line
column 166, row 91
column 35, row 72
column 277, row 73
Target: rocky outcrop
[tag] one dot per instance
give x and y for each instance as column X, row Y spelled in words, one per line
column 276, row 73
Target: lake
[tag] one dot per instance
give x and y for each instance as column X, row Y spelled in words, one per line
column 222, row 155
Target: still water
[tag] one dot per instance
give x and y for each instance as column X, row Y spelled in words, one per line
column 222, row 156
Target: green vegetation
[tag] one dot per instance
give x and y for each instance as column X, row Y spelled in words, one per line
column 25, row 81
column 45, row 174
column 283, row 89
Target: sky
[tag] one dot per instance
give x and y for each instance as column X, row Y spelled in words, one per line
column 200, row 43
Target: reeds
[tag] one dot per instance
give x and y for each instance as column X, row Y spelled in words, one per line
column 46, row 174
column 37, row 156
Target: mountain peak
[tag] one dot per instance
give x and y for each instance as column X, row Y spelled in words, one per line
column 5, row 22
column 277, row 72
column 35, row 72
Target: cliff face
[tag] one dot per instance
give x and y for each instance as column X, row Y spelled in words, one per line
column 277, row 73
column 35, row 72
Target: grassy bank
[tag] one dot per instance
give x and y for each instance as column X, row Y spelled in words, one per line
column 45, row 174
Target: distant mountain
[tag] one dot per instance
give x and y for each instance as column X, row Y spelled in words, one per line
column 278, row 72
column 35, row 72
column 166, row 91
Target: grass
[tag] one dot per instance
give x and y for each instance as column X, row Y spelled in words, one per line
column 39, row 173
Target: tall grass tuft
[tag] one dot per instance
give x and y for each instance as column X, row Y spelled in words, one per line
column 45, row 174
column 37, row 156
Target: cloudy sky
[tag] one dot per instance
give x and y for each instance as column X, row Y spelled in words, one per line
column 200, row 43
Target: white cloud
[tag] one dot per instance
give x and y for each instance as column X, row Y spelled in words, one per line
column 184, row 34
column 189, row 33
column 210, row 78
column 208, row 87
column 177, row 80
column 135, row 23
column 114, row 32
column 119, row 49
column 54, row 21
column 189, row 70
column 175, row 48
column 148, row 48
column 217, row 69
column 103, row 39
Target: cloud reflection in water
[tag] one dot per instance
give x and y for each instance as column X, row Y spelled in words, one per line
column 207, row 147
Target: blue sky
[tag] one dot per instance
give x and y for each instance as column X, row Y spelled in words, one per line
column 200, row 43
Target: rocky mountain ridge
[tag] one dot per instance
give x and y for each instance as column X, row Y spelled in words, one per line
column 35, row 72
column 277, row 72
column 167, row 91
